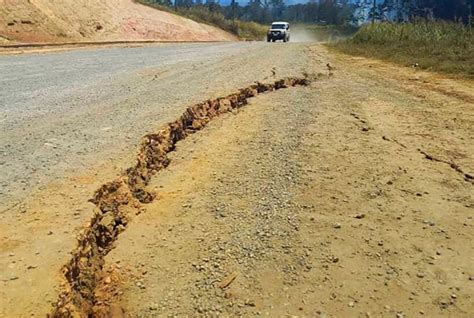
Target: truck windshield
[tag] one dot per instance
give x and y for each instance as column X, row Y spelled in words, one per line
column 278, row 26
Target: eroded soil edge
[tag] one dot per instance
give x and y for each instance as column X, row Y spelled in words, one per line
column 118, row 201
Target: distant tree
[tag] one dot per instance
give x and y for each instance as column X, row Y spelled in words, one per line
column 443, row 9
column 254, row 10
column 234, row 9
column 213, row 6
column 278, row 7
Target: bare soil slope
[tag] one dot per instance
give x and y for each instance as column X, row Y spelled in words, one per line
column 96, row 20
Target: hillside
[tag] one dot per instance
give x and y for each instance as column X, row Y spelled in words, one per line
column 96, row 20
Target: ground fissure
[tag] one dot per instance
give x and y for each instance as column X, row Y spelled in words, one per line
column 119, row 200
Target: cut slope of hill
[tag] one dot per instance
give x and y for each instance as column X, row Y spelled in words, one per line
column 96, row 20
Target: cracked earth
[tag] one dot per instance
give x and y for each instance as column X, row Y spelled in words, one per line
column 350, row 195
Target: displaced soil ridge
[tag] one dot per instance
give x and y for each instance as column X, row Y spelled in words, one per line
column 117, row 201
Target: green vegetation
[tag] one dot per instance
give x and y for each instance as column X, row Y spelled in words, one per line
column 243, row 29
column 440, row 46
column 207, row 15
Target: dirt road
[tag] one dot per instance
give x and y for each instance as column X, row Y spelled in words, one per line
column 352, row 196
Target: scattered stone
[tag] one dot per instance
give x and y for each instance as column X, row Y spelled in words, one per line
column 337, row 225
column 444, row 303
column 228, row 280
column 420, row 275
column 429, row 222
column 359, row 216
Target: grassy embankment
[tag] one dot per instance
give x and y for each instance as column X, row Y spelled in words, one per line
column 439, row 46
column 244, row 30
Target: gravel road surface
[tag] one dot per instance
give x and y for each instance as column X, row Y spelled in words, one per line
column 348, row 197
column 63, row 111
column 72, row 121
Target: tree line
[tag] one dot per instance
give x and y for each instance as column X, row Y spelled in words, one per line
column 334, row 12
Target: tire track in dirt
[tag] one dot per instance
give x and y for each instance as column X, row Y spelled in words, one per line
column 119, row 200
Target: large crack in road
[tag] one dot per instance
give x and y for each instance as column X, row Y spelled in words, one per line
column 118, row 200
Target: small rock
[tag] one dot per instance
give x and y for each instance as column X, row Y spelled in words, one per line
column 359, row 216
column 444, row 303
column 420, row 275
column 337, row 225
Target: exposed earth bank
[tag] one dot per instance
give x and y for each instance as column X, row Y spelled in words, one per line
column 33, row 21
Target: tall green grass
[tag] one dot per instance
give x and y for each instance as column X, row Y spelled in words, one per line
column 440, row 46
